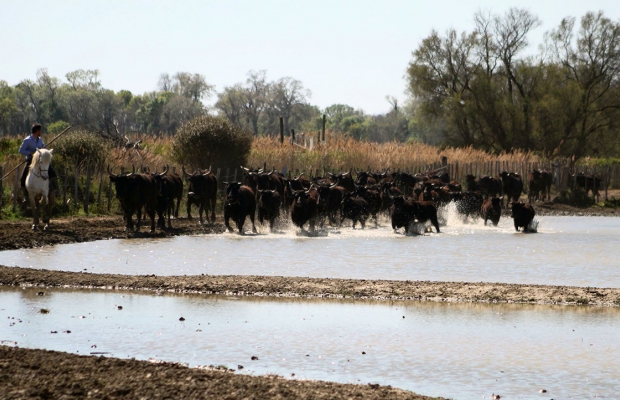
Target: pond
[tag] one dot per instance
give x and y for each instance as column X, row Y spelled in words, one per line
column 462, row 351
column 576, row 251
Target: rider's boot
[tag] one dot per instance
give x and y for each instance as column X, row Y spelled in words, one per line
column 26, row 199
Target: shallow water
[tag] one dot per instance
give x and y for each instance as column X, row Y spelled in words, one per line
column 461, row 351
column 580, row 251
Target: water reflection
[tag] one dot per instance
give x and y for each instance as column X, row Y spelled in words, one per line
column 579, row 251
column 464, row 351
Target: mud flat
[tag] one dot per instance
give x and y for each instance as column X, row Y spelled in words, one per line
column 42, row 374
column 318, row 287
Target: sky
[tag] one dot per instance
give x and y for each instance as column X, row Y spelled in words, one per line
column 344, row 52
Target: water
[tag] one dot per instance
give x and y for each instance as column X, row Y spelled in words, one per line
column 579, row 251
column 462, row 351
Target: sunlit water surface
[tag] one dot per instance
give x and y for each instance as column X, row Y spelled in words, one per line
column 581, row 251
column 461, row 351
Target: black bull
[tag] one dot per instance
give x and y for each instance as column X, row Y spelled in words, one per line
column 240, row 202
column 134, row 192
column 202, row 192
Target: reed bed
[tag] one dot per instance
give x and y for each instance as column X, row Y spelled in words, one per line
column 339, row 153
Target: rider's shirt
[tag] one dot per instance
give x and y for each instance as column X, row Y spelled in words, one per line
column 30, row 145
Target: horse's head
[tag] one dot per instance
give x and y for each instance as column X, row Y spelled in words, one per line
column 41, row 160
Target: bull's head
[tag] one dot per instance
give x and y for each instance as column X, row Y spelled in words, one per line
column 232, row 192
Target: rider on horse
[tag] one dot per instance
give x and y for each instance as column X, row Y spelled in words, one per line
column 28, row 148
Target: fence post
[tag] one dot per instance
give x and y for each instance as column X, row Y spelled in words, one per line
column 15, row 189
column 1, row 188
column 323, row 130
column 64, row 191
column 109, row 196
column 75, row 191
column 89, row 171
column 99, row 191
column 281, row 130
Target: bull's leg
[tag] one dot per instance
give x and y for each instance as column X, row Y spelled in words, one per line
column 516, row 226
column 435, row 223
column 138, row 219
column 363, row 222
column 312, row 224
column 252, row 219
column 128, row 220
column 272, row 221
column 240, row 222
column 227, row 220
column 200, row 211
column 189, row 207
column 213, row 210
column 151, row 214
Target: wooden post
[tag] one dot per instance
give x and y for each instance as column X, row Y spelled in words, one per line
column 323, row 130
column 281, row 130
column 65, row 185
column 76, row 186
column 15, row 189
column 99, row 191
column 89, row 173
column 109, row 196
column 292, row 136
column 1, row 188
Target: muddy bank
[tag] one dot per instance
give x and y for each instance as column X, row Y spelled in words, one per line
column 318, row 287
column 42, row 374
column 19, row 235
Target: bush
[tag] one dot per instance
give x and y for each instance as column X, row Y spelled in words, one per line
column 575, row 197
column 57, row 127
column 208, row 140
column 81, row 148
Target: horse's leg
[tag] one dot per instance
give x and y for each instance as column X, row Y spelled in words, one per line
column 35, row 210
column 44, row 213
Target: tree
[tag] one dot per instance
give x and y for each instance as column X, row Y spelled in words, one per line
column 255, row 96
column 285, row 94
column 590, row 61
column 230, row 103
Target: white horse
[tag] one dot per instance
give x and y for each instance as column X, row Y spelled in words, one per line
column 38, row 185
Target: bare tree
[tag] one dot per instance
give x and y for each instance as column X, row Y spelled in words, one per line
column 286, row 93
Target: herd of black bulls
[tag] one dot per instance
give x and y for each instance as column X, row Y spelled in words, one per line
column 406, row 198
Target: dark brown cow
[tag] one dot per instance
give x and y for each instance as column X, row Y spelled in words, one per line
column 468, row 204
column 492, row 210
column 344, row 179
column 304, row 208
column 535, row 182
column 587, row 183
column 354, row 208
column 523, row 215
column 512, row 186
column 406, row 211
column 373, row 200
column 240, row 202
column 547, row 180
column 487, row 185
column 170, row 188
column 330, row 198
column 268, row 206
column 202, row 191
column 135, row 192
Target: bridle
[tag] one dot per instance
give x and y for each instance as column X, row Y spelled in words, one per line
column 41, row 170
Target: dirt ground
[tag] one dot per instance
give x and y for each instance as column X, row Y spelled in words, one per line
column 42, row 374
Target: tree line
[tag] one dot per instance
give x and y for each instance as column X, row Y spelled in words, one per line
column 256, row 105
column 481, row 89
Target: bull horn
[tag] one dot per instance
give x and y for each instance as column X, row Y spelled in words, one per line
column 185, row 172
column 246, row 169
column 111, row 174
column 273, row 191
column 300, row 175
column 290, row 188
column 334, row 185
column 165, row 171
column 208, row 172
column 133, row 170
